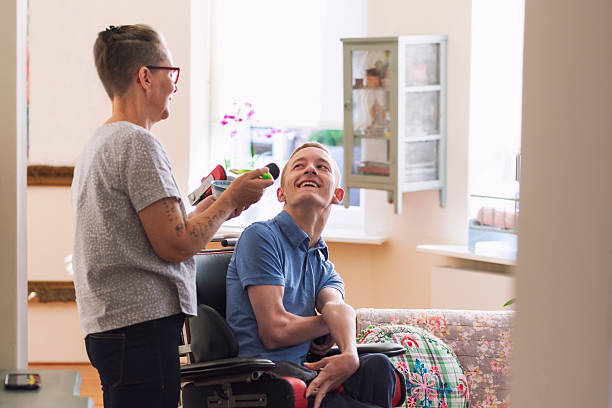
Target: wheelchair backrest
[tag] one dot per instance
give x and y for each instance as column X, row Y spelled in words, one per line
column 211, row 269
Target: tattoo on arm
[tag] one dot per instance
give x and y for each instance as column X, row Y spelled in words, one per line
column 170, row 211
column 201, row 229
column 173, row 216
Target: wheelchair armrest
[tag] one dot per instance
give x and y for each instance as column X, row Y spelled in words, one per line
column 225, row 370
column 388, row 349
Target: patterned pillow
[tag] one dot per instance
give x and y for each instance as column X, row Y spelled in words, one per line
column 434, row 377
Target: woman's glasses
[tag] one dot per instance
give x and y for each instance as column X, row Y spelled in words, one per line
column 174, row 72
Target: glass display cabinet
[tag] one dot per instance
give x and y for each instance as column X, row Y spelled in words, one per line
column 394, row 115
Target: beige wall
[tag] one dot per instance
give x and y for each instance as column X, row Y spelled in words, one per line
column 67, row 98
column 368, row 274
column 67, row 104
column 564, row 273
column 76, row 89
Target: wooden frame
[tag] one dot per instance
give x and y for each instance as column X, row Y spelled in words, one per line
column 51, row 291
column 50, row 175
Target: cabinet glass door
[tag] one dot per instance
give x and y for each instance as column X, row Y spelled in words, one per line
column 422, row 112
column 371, row 116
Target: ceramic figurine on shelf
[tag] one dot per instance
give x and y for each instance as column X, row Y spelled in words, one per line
column 377, row 113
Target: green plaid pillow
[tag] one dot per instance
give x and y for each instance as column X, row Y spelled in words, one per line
column 434, row 377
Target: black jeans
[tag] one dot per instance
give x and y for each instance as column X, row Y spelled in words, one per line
column 139, row 364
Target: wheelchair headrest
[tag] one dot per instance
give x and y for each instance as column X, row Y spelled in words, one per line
column 211, row 269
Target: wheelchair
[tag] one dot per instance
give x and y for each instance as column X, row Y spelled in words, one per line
column 215, row 377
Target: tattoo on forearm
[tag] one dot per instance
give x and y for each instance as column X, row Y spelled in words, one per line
column 203, row 228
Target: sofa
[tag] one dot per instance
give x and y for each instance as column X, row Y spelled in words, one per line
column 480, row 339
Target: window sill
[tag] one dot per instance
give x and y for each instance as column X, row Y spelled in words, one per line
column 346, row 236
column 461, row 251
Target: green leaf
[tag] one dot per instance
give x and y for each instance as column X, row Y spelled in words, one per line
column 511, row 301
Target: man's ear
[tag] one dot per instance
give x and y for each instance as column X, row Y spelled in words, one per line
column 338, row 196
column 144, row 77
column 280, row 195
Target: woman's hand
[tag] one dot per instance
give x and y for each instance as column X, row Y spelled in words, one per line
column 237, row 212
column 248, row 188
column 202, row 205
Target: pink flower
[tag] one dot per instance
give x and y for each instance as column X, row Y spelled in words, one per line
column 409, row 341
column 434, row 370
column 424, row 386
column 243, row 113
column 463, row 388
column 443, row 404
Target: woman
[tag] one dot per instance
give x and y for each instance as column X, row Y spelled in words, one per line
column 133, row 241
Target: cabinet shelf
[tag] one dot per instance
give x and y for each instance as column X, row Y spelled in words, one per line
column 371, row 88
column 411, row 70
column 425, row 138
column 494, row 197
column 371, row 137
column 424, row 88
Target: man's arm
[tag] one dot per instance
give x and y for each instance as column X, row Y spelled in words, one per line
column 277, row 327
column 339, row 317
column 333, row 371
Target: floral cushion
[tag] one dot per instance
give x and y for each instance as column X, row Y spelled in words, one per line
column 481, row 340
column 434, row 377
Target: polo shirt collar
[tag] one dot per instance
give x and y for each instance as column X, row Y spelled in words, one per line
column 295, row 235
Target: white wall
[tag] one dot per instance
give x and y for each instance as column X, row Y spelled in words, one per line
column 67, row 99
column 422, row 220
column 68, row 102
column 367, row 276
column 562, row 339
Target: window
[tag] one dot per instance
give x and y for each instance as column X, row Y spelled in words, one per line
column 283, row 60
column 495, row 121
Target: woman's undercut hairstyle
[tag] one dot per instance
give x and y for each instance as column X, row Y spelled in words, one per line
column 119, row 52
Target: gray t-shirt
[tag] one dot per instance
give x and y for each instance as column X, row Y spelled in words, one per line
column 119, row 279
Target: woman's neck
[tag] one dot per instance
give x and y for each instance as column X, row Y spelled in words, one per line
column 129, row 109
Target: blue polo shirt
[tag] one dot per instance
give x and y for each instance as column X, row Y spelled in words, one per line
column 276, row 252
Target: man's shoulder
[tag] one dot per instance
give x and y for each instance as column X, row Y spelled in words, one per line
column 259, row 229
column 258, row 235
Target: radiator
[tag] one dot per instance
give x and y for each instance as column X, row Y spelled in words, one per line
column 456, row 288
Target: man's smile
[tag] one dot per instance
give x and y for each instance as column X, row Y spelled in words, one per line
column 308, row 183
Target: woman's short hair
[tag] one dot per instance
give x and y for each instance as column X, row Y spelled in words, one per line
column 120, row 51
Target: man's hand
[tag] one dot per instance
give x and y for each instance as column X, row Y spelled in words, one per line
column 321, row 345
column 248, row 188
column 333, row 371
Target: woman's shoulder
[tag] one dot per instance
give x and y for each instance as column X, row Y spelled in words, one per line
column 127, row 134
column 123, row 128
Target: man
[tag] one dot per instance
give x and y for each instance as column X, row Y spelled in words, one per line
column 280, row 276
